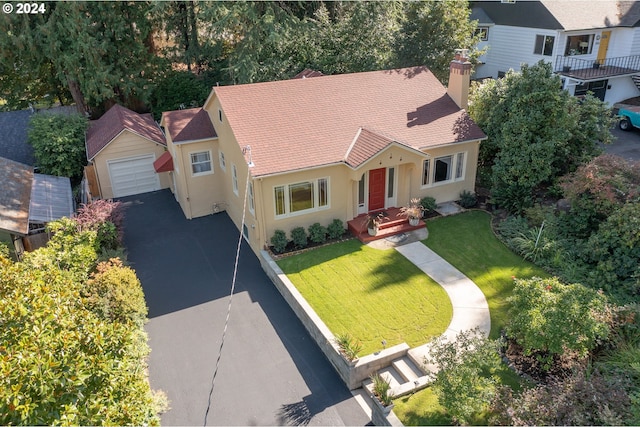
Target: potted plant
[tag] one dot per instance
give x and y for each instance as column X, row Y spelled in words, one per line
column 373, row 222
column 413, row 211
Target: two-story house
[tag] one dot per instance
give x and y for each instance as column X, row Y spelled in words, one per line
column 594, row 45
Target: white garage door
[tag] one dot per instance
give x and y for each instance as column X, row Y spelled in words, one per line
column 133, row 175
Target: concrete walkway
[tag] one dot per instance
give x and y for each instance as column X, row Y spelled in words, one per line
column 470, row 307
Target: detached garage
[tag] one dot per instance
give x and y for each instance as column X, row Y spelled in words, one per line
column 122, row 146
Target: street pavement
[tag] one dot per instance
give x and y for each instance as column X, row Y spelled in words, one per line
column 270, row 372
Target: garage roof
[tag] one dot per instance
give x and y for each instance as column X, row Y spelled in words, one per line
column 102, row 131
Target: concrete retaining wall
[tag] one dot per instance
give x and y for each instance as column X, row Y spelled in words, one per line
column 352, row 373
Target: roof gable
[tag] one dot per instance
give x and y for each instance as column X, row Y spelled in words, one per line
column 192, row 124
column 303, row 123
column 368, row 144
column 104, row 130
column 17, row 180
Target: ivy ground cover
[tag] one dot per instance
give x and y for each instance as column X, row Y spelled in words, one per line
column 371, row 294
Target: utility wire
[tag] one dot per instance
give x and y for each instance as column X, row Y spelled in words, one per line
column 233, row 286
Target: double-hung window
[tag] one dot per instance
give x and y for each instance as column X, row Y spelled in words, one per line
column 223, row 162
column 201, row 163
column 252, row 203
column 234, row 178
column 301, row 197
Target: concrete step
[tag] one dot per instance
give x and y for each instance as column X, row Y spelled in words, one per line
column 403, row 376
column 407, row 369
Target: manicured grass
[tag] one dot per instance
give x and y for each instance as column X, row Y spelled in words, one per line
column 467, row 242
column 372, row 294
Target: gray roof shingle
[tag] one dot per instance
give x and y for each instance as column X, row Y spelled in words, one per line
column 13, row 137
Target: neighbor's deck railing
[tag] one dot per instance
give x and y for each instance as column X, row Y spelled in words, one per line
column 597, row 68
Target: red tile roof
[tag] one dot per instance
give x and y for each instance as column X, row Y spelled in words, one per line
column 188, row 125
column 102, row 131
column 302, row 123
column 15, row 193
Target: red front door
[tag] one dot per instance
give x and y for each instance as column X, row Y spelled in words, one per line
column 376, row 188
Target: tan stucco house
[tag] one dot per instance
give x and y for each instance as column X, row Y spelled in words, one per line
column 310, row 150
column 121, row 148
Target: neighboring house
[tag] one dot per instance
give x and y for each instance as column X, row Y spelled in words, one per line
column 310, row 150
column 28, row 201
column 13, row 138
column 121, row 148
column 594, row 45
column 15, row 127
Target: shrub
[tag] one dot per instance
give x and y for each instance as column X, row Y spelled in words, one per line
column 615, row 251
column 317, row 233
column 467, row 199
column 512, row 227
column 115, row 293
column 299, row 237
column 580, row 399
column 335, row 229
column 61, row 362
column 106, row 218
column 428, row 203
column 466, row 379
column 279, row 241
column 348, row 346
column 382, row 389
column 556, row 319
column 58, row 143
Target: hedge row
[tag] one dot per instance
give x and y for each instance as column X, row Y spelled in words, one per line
column 300, row 237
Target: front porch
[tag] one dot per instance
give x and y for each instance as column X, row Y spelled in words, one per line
column 392, row 223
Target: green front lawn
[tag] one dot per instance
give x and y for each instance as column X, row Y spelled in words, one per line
column 372, row 294
column 467, row 242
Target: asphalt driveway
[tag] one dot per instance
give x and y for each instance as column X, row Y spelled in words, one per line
column 626, row 144
column 271, row 372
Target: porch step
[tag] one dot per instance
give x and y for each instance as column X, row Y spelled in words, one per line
column 392, row 223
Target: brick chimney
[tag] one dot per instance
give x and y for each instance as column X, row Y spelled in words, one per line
column 459, row 78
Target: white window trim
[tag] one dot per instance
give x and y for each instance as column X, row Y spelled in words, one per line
column 209, row 172
column 316, row 198
column 234, row 179
column 544, row 43
column 251, row 198
column 222, row 160
column 454, row 163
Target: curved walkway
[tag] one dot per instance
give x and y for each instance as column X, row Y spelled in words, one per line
column 470, row 307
